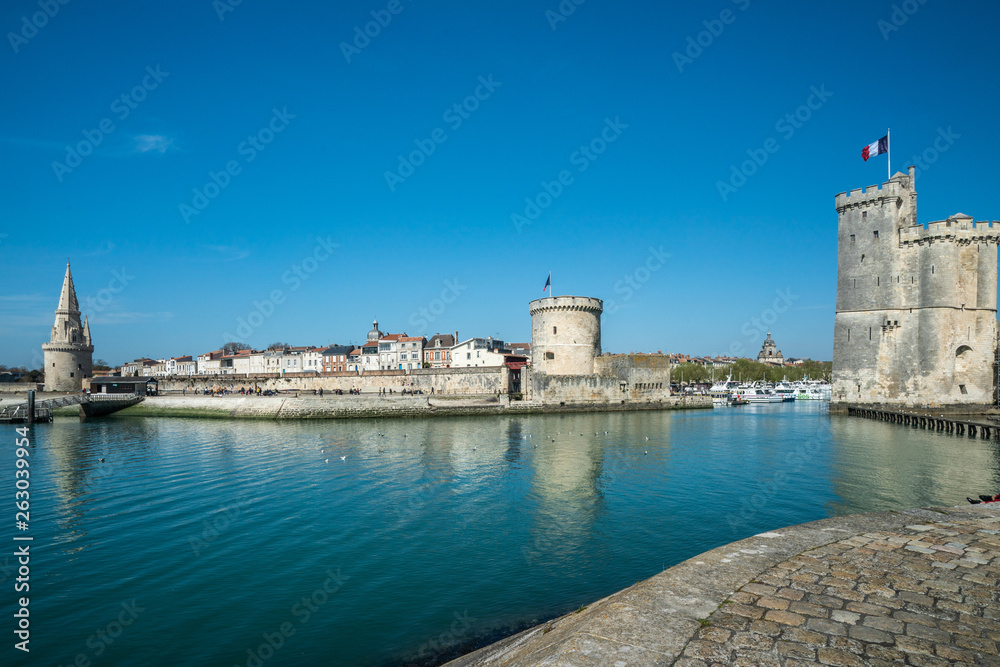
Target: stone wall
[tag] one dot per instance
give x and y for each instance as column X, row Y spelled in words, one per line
column 618, row 378
column 443, row 380
column 21, row 388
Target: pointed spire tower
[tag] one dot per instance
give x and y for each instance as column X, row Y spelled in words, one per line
column 69, row 352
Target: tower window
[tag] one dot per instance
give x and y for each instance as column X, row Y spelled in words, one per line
column 71, row 374
column 878, row 281
column 550, row 355
column 875, row 232
column 553, row 330
column 852, row 239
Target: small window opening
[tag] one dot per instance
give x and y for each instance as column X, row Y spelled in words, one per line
column 553, row 330
column 550, row 355
column 869, row 333
column 876, row 234
column 852, row 239
column 878, row 281
column 962, row 389
column 864, row 214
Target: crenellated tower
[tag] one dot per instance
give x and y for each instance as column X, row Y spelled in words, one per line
column 916, row 306
column 69, row 353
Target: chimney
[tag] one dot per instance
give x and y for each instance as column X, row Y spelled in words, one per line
column 456, row 338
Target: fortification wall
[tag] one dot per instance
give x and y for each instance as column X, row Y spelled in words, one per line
column 444, row 381
column 21, row 388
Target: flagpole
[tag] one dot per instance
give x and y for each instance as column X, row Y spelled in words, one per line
column 888, row 150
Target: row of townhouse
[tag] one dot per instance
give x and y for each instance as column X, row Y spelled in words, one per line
column 381, row 352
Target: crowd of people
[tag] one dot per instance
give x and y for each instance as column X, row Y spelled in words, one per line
column 257, row 391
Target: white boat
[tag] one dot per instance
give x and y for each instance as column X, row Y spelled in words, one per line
column 812, row 390
column 786, row 390
column 722, row 391
column 758, row 395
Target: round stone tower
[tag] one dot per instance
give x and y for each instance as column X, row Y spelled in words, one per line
column 565, row 334
column 69, row 353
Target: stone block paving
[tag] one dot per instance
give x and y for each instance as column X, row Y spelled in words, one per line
column 927, row 594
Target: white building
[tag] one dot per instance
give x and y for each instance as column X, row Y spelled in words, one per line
column 209, row 363
column 411, row 352
column 478, row 352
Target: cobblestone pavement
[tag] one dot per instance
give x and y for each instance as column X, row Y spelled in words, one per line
column 917, row 587
column 924, row 594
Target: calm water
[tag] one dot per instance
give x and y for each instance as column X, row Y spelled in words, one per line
column 429, row 535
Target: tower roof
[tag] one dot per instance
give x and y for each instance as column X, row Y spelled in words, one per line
column 67, row 297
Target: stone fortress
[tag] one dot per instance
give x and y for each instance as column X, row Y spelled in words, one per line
column 916, row 308
column 567, row 364
column 69, row 352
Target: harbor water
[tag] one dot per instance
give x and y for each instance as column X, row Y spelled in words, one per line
column 164, row 541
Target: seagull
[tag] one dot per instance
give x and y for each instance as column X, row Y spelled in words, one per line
column 343, row 458
column 647, row 437
column 646, row 452
column 327, row 460
column 102, row 460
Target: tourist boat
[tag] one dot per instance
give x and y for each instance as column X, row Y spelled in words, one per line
column 786, row 391
column 812, row 390
column 758, row 395
column 722, row 391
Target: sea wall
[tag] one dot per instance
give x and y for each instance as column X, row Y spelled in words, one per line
column 442, row 381
column 369, row 406
column 19, row 387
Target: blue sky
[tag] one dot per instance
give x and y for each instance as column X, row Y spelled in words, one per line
column 254, row 164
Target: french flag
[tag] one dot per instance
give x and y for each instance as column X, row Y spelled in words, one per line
column 875, row 148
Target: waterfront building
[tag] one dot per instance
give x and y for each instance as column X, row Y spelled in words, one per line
column 478, row 352
column 769, row 353
column 437, row 352
column 68, row 356
column 916, row 305
column 335, row 358
column 354, row 360
column 182, row 366
column 209, row 363
column 388, row 351
column 411, row 352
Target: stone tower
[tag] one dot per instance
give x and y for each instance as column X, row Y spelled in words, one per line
column 69, row 353
column 565, row 334
column 916, row 306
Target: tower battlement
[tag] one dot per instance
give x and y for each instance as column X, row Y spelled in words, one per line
column 958, row 228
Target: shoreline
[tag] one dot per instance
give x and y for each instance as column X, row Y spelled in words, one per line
column 842, row 590
column 236, row 406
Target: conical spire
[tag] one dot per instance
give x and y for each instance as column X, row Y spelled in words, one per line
column 67, row 298
column 86, row 331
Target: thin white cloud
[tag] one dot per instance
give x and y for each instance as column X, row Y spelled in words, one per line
column 145, row 143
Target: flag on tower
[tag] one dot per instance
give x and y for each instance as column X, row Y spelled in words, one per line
column 875, row 148
column 547, row 283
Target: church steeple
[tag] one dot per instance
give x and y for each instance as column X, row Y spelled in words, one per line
column 86, row 331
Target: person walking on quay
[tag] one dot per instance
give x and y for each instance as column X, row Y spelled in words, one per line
column 321, row 392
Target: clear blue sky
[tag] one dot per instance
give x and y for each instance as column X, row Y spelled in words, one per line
column 197, row 87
